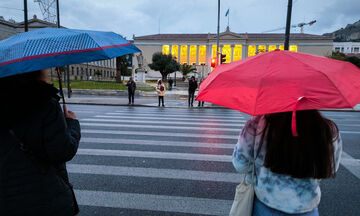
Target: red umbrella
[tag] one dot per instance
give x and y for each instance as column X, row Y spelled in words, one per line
column 281, row 81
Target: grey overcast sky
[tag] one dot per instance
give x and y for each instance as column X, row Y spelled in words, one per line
column 143, row 17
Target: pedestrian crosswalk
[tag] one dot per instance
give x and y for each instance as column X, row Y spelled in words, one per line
column 154, row 161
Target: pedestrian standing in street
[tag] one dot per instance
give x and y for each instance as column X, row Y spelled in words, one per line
column 37, row 139
column 170, row 81
column 160, row 89
column 201, row 103
column 288, row 168
column 192, row 88
column 131, row 90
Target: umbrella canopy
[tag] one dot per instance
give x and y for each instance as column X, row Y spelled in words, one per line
column 53, row 47
column 281, row 81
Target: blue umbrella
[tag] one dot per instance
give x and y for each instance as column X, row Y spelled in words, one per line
column 53, row 47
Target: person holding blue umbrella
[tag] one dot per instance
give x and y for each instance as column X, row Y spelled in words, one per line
column 38, row 137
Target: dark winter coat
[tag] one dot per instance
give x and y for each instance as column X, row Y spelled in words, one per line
column 192, row 85
column 28, row 186
column 131, row 86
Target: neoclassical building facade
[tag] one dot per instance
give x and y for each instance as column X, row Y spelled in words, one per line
column 198, row 49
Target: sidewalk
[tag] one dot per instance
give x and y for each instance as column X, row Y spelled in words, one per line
column 173, row 99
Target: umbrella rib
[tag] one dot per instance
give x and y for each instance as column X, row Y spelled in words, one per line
column 327, row 77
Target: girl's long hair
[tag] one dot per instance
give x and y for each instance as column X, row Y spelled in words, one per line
column 310, row 155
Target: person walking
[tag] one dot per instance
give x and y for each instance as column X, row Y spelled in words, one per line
column 131, row 90
column 201, row 103
column 160, row 89
column 192, row 88
column 170, row 81
column 37, row 139
column 288, row 169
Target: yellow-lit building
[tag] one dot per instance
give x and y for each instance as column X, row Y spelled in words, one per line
column 198, row 49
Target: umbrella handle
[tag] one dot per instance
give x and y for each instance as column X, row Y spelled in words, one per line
column 60, row 85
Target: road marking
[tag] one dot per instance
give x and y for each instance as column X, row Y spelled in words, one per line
column 154, row 173
column 162, row 127
column 180, row 112
column 351, row 164
column 200, row 116
column 157, row 143
column 189, row 205
column 162, row 155
column 350, row 132
column 165, row 118
column 163, row 122
column 162, row 134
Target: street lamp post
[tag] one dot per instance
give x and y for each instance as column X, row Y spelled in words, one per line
column 26, row 16
column 218, row 35
column 288, row 23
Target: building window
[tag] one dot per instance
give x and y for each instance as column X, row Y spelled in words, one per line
column 251, row 50
column 342, row 49
column 214, row 50
column 165, row 49
column 261, row 49
column 175, row 51
column 237, row 52
column 202, row 54
column 72, row 71
column 192, row 55
column 183, row 54
column 293, row 48
column 356, row 49
column 337, row 49
column 281, row 47
column 90, row 72
column 226, row 50
column 272, row 47
column 77, row 71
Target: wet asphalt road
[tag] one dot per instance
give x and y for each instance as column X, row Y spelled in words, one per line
column 170, row 161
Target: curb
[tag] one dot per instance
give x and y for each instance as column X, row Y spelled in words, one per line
column 185, row 107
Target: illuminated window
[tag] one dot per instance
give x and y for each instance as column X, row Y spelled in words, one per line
column 293, row 48
column 272, row 47
column 175, row 51
column 237, row 52
column 213, row 51
column 261, row 49
column 183, row 54
column 251, row 50
column 281, row 47
column 165, row 49
column 192, row 54
column 202, row 54
column 226, row 50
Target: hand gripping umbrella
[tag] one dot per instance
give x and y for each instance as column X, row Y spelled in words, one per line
column 53, row 47
column 282, row 81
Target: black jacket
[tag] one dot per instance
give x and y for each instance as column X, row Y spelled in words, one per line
column 131, row 86
column 28, row 186
column 192, row 85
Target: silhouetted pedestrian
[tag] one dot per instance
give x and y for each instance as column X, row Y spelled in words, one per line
column 160, row 88
column 192, row 88
column 131, row 90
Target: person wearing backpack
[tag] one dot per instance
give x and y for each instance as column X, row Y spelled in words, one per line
column 160, row 89
column 37, row 139
column 288, row 169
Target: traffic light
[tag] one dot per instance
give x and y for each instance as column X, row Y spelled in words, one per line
column 222, row 58
column 213, row 62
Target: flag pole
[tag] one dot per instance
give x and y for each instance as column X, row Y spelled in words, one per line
column 229, row 18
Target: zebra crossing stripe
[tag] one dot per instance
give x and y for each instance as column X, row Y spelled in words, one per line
column 152, row 202
column 154, row 173
column 178, row 115
column 166, row 118
column 159, row 155
column 192, row 112
column 351, row 164
column 163, row 122
column 161, row 127
column 162, row 134
column 156, row 143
